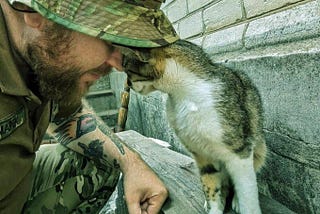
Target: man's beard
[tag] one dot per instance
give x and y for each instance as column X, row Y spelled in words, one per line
column 62, row 87
column 58, row 80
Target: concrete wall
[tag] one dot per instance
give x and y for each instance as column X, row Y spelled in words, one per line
column 277, row 43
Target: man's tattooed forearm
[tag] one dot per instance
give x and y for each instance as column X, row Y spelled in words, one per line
column 61, row 120
column 62, row 135
column 94, row 150
column 84, row 125
column 115, row 139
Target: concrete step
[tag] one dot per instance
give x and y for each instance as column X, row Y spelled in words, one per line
column 102, row 101
column 108, row 92
column 110, row 117
column 269, row 206
column 110, row 112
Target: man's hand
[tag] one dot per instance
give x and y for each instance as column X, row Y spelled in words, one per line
column 144, row 191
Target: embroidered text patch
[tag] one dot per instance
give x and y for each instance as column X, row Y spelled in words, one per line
column 11, row 123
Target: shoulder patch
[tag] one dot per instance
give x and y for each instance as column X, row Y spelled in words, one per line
column 11, row 122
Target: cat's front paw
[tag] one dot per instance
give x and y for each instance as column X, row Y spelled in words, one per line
column 236, row 206
column 215, row 208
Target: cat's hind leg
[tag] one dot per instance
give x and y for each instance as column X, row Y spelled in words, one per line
column 241, row 171
column 215, row 185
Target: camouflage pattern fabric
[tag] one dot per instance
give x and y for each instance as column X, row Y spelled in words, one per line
column 67, row 182
column 134, row 23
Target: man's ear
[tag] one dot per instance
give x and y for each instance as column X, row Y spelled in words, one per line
column 115, row 60
column 34, row 20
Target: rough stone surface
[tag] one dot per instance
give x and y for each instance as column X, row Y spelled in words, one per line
column 257, row 7
column 178, row 172
column 191, row 25
column 222, row 13
column 299, row 23
column 194, row 5
column 289, row 86
column 167, row 2
column 102, row 84
column 180, row 175
column 176, row 10
column 225, row 40
column 291, row 183
column 198, row 41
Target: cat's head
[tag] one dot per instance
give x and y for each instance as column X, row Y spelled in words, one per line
column 143, row 71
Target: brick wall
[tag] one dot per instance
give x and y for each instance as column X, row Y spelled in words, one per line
column 277, row 43
column 228, row 25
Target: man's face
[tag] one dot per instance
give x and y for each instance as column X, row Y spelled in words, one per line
column 66, row 62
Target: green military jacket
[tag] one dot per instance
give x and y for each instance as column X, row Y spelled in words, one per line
column 24, row 119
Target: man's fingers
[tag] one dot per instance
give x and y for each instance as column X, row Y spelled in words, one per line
column 150, row 206
column 144, row 206
column 133, row 206
column 155, row 204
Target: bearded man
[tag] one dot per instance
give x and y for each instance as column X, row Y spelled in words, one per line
column 51, row 51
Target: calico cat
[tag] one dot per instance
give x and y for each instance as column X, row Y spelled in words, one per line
column 215, row 112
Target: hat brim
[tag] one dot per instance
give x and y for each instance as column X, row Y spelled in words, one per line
column 115, row 21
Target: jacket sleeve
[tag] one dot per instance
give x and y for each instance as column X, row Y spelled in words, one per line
column 16, row 154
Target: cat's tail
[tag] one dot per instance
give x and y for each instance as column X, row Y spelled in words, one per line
column 259, row 154
column 254, row 108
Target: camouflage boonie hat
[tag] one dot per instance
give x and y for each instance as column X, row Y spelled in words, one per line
column 136, row 23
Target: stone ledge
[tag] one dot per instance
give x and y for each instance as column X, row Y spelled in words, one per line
column 287, row 76
column 163, row 160
column 225, row 40
column 287, row 92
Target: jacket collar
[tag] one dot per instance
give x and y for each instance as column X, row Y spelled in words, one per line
column 11, row 80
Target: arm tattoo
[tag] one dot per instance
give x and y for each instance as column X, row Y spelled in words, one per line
column 81, row 133
column 84, row 124
column 59, row 121
column 114, row 138
column 93, row 150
